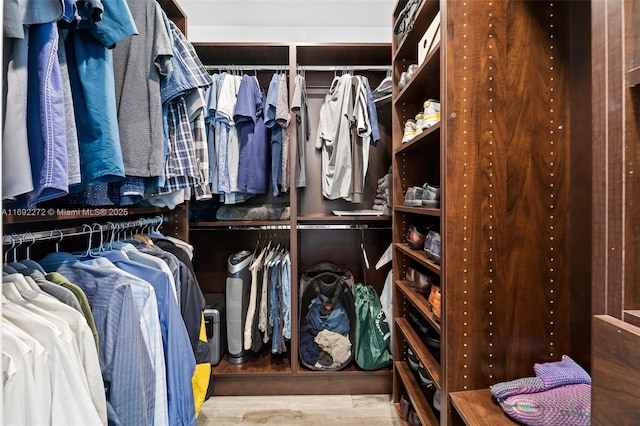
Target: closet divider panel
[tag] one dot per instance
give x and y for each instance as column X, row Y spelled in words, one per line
column 507, row 190
column 616, row 240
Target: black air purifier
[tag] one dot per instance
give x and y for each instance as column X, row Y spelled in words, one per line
column 238, row 291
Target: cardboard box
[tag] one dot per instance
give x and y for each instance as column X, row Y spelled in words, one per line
column 429, row 40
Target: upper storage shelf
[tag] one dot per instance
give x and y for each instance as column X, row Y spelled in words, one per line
column 407, row 48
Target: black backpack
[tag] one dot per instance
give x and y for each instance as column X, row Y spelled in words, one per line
column 331, row 287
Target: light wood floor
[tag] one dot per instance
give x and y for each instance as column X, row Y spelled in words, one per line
column 311, row 410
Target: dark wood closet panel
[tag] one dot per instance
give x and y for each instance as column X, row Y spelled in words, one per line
column 615, row 267
column 313, row 233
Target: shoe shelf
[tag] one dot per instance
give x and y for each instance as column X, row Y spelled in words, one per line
column 634, row 77
column 430, row 363
column 425, row 81
column 425, row 14
column 631, row 316
column 419, row 256
column 420, row 302
column 264, row 364
column 429, row 138
column 477, row 408
column 418, row 210
column 319, row 218
column 416, row 394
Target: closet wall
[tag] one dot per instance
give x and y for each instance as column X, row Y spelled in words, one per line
column 313, row 233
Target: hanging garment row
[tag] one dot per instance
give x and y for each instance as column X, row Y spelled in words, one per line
column 347, row 127
column 103, row 102
column 258, row 294
column 130, row 308
column 248, row 137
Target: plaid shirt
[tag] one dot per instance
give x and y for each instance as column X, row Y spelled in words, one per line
column 188, row 71
column 180, row 169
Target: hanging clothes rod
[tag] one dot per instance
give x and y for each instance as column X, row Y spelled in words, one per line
column 246, row 67
column 299, row 67
column 344, row 68
column 17, row 239
column 256, row 228
column 299, row 226
column 341, row 226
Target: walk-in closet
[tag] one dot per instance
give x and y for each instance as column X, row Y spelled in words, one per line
column 424, row 209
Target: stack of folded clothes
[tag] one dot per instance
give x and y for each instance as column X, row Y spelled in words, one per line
column 382, row 202
column 559, row 394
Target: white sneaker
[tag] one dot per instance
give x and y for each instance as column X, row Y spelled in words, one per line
column 419, row 123
column 431, row 113
column 409, row 131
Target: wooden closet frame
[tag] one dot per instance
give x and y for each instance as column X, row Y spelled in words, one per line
column 308, row 230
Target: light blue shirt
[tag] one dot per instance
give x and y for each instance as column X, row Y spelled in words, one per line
column 126, row 366
column 180, row 362
column 147, row 304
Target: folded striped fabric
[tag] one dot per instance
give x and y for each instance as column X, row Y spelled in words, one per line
column 568, row 405
column 560, row 373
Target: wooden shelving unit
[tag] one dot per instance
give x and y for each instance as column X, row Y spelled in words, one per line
column 513, row 170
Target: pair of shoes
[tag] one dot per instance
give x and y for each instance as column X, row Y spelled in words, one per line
column 413, row 196
column 431, row 113
column 405, row 407
column 436, row 400
column 415, row 238
column 412, row 359
column 435, row 302
column 432, row 337
column 419, row 123
column 425, row 379
column 409, row 131
column 414, row 420
column 419, row 321
column 432, row 246
column 420, row 282
column 407, row 75
column 430, row 196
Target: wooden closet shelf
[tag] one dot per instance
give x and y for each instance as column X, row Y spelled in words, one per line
column 418, row 210
column 634, row 77
column 430, row 363
column 416, row 394
column 420, row 302
column 264, row 364
column 342, row 219
column 419, row 256
column 631, row 316
column 239, row 223
column 352, row 370
column 424, row 83
column 429, row 138
column 477, row 408
column 409, row 46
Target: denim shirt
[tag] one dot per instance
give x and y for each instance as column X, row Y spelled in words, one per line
column 188, row 72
